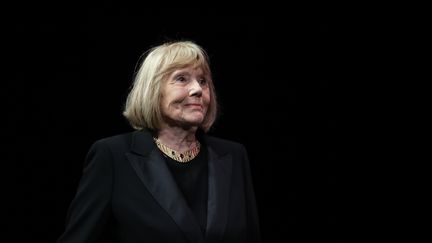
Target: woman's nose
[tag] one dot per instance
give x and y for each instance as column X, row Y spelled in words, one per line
column 195, row 88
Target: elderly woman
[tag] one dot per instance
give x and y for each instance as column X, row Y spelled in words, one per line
column 167, row 181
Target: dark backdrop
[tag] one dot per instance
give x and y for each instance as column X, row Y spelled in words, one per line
column 274, row 72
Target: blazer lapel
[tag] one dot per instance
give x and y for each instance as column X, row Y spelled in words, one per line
column 150, row 167
column 219, row 170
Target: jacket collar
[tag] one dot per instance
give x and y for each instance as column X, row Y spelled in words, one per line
column 142, row 142
column 150, row 167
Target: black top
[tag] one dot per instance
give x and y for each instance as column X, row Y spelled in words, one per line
column 192, row 180
column 127, row 193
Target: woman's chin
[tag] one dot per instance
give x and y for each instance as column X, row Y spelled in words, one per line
column 196, row 120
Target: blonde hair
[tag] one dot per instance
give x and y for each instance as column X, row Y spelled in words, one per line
column 142, row 108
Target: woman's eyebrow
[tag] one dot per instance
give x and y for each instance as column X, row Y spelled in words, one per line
column 180, row 72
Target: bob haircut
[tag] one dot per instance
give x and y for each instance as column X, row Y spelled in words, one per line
column 142, row 108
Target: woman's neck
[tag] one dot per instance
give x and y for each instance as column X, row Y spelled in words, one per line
column 177, row 138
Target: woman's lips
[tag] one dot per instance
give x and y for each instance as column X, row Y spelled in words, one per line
column 193, row 105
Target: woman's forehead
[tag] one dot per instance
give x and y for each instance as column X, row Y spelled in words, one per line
column 196, row 70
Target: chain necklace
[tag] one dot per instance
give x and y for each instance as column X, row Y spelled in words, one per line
column 177, row 156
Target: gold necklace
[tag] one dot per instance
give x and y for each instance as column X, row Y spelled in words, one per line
column 177, row 156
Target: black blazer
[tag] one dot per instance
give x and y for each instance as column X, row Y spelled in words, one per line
column 127, row 194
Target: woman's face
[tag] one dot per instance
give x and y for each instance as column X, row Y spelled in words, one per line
column 185, row 97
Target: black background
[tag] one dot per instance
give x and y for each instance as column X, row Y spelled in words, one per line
column 279, row 75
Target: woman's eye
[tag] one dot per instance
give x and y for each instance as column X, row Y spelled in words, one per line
column 203, row 81
column 181, row 79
